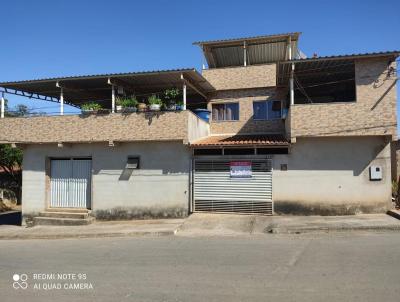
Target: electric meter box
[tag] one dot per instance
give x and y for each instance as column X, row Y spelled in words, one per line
column 375, row 173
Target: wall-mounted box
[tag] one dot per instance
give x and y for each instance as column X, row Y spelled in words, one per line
column 375, row 173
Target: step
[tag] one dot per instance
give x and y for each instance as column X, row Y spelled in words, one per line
column 64, row 215
column 68, row 210
column 62, row 221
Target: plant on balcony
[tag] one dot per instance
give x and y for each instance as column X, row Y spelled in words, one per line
column 127, row 104
column 91, row 107
column 179, row 105
column 171, row 96
column 154, row 102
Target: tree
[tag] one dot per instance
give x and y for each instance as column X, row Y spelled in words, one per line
column 10, row 163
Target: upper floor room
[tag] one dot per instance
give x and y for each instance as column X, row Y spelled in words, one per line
column 253, row 85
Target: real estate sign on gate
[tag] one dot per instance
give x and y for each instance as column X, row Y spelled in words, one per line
column 240, row 169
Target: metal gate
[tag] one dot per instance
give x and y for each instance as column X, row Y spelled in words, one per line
column 214, row 190
column 70, row 183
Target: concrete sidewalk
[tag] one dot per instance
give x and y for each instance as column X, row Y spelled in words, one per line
column 157, row 227
column 234, row 225
column 207, row 225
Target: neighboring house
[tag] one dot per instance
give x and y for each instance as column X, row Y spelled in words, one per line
column 287, row 134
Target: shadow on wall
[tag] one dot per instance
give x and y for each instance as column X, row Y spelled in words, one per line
column 336, row 154
column 327, row 209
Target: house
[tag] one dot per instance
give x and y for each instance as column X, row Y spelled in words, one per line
column 287, row 134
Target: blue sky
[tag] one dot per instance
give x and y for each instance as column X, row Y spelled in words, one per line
column 60, row 38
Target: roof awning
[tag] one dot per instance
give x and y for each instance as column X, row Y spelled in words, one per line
column 259, row 50
column 270, row 140
column 80, row 89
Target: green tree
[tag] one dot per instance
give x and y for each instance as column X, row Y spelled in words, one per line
column 10, row 163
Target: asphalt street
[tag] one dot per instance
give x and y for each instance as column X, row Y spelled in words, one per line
column 315, row 267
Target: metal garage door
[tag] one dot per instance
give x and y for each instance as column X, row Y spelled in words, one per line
column 70, row 183
column 215, row 190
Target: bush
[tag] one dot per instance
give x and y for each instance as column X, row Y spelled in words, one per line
column 128, row 102
column 154, row 100
column 91, row 106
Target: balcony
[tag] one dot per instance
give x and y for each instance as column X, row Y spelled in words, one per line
column 116, row 127
column 101, row 94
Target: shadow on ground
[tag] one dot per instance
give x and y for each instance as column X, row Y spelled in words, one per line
column 11, row 218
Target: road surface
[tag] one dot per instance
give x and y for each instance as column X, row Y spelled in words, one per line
column 323, row 267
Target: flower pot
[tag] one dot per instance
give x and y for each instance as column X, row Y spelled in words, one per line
column 179, row 107
column 88, row 111
column 118, row 108
column 171, row 107
column 155, row 107
column 129, row 109
column 142, row 107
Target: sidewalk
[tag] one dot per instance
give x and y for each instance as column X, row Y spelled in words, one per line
column 205, row 225
column 235, row 225
column 159, row 227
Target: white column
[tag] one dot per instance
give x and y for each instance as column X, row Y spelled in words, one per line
column 112, row 98
column 184, row 95
column 62, row 101
column 244, row 54
column 291, row 84
column 2, row 105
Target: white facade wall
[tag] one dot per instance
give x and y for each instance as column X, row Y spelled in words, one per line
column 162, row 180
column 331, row 175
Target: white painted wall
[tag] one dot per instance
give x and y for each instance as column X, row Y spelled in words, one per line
column 162, row 180
column 333, row 171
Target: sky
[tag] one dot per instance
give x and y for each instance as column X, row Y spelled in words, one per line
column 42, row 39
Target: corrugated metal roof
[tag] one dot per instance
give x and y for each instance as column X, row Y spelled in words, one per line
column 242, row 140
column 349, row 56
column 101, row 75
column 260, row 50
column 83, row 88
column 294, row 35
column 327, row 68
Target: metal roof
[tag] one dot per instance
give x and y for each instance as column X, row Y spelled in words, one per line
column 394, row 53
column 260, row 50
column 327, row 68
column 275, row 37
column 243, row 140
column 82, row 88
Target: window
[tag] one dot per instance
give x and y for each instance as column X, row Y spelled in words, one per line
column 267, row 110
column 225, row 112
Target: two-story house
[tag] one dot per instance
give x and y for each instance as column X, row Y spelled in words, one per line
column 286, row 134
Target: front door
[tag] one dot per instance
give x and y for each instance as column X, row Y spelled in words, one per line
column 70, row 180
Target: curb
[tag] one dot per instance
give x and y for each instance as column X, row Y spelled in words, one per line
column 88, row 235
column 329, row 229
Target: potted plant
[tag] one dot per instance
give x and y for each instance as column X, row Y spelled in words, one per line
column 171, row 96
column 129, row 104
column 91, row 107
column 154, row 103
column 118, row 104
column 142, row 107
column 179, row 105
